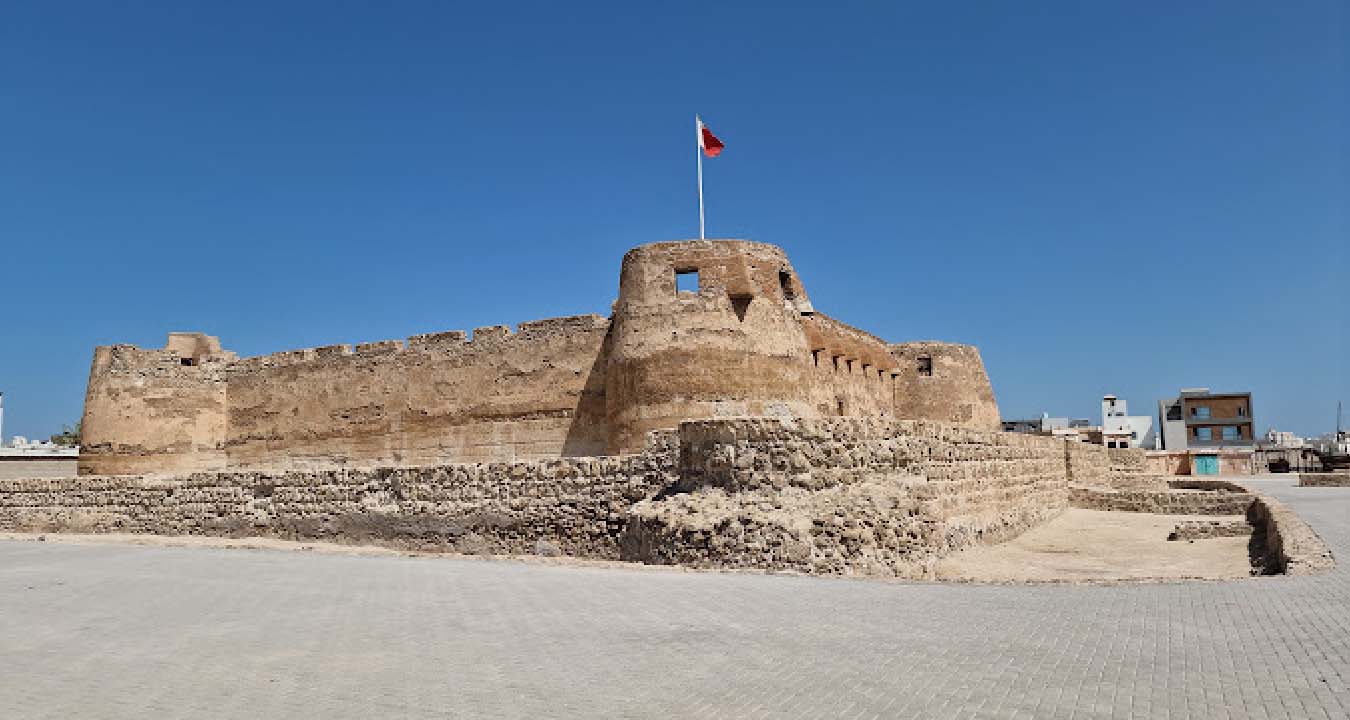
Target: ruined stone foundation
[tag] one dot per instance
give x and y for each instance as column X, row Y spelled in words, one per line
column 850, row 496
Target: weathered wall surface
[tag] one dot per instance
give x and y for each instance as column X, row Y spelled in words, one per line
column 535, row 393
column 156, row 410
column 954, row 389
column 845, row 495
column 748, row 342
column 734, row 347
column 838, row 495
column 1162, row 502
column 572, row 506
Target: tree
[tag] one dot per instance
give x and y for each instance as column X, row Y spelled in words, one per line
column 68, row 437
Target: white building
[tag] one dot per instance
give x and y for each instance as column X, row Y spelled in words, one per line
column 23, row 447
column 1284, row 439
column 1122, row 430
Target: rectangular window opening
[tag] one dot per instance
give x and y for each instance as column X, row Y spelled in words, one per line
column 785, row 282
column 686, row 281
column 925, row 366
column 187, row 362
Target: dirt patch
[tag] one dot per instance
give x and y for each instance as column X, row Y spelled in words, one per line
column 1098, row 546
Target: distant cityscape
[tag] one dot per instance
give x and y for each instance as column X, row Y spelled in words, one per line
column 1198, row 431
column 20, row 446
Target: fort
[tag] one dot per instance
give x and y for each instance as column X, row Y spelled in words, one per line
column 747, row 342
column 715, row 419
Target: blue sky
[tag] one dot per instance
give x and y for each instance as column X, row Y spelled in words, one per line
column 1105, row 197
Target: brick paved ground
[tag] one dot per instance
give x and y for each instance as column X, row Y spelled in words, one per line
column 112, row 631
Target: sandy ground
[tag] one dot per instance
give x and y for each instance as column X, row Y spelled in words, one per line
column 1097, row 546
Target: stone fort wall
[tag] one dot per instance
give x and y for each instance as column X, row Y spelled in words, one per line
column 832, row 496
column 746, row 341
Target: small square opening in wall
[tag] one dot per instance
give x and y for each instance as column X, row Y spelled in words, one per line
column 785, row 282
column 686, row 281
column 925, row 366
column 187, row 362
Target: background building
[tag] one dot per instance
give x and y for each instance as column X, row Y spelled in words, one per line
column 1284, row 439
column 1200, row 419
column 1080, row 429
column 1122, row 430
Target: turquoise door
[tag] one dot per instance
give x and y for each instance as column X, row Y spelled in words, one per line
column 1206, row 464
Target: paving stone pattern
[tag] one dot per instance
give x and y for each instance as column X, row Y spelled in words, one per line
column 119, row 632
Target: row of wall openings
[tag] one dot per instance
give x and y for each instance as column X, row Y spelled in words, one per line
column 834, row 360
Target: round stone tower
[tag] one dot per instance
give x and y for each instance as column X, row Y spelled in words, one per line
column 705, row 328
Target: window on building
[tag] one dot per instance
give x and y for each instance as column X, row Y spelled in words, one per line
column 686, row 281
column 187, row 362
column 1174, row 412
column 1242, row 411
column 1200, row 411
column 1231, row 433
column 925, row 366
column 1205, row 434
column 785, row 282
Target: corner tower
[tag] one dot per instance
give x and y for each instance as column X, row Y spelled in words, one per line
column 732, row 343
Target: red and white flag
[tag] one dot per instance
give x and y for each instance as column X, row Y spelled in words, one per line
column 709, row 145
column 708, row 142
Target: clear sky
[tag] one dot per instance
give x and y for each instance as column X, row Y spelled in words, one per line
column 1115, row 198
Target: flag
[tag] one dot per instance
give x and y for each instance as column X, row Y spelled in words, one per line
column 708, row 142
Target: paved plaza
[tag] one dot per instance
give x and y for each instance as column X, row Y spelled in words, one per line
column 116, row 631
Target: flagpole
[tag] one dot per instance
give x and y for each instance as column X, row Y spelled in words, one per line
column 698, row 153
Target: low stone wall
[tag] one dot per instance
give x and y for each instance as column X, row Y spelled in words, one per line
column 572, row 506
column 852, row 496
column 1290, row 546
column 1162, row 502
column 845, row 495
column 1329, row 479
column 1208, row 529
column 1087, row 464
column 1129, row 469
